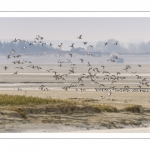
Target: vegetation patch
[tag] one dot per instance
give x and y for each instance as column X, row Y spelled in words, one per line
column 24, row 105
column 134, row 109
column 14, row 100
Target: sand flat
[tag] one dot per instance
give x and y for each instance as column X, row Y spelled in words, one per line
column 39, row 120
column 44, row 121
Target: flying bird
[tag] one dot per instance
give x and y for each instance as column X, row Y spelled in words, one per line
column 115, row 57
column 60, row 45
column 106, row 43
column 5, row 67
column 89, row 64
column 116, row 43
column 15, row 72
column 12, row 51
column 8, row 56
column 91, row 45
column 51, row 44
column 89, row 54
column 72, row 45
column 70, row 55
column 79, row 37
column 37, row 38
column 81, row 60
column 15, row 40
column 84, row 43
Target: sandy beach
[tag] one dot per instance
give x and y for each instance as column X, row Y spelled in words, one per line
column 41, row 119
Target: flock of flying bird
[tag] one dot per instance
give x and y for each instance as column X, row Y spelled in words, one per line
column 91, row 72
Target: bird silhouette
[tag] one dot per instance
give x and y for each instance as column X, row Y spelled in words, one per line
column 60, row 45
column 72, row 45
column 79, row 37
column 106, row 43
column 5, row 67
column 51, row 44
column 116, row 43
column 84, row 43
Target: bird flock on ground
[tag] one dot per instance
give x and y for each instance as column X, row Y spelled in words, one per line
column 91, row 72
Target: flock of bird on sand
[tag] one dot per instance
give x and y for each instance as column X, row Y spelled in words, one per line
column 91, row 72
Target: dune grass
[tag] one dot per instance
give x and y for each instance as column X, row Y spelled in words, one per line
column 13, row 100
column 62, row 106
column 134, row 109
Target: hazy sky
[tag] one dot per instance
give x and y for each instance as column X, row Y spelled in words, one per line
column 92, row 29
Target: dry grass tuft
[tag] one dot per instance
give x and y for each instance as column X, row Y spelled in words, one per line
column 134, row 109
column 17, row 103
column 108, row 108
column 20, row 104
column 20, row 111
column 14, row 100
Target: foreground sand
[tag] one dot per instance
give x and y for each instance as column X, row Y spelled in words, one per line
column 41, row 119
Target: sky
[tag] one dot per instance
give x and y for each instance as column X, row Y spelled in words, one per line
column 91, row 29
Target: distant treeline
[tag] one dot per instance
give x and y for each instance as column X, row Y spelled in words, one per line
column 39, row 49
column 132, row 48
column 97, row 50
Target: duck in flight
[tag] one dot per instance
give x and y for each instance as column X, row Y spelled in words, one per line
column 15, row 40
column 12, row 51
column 37, row 38
column 8, row 56
column 15, row 72
column 84, row 43
column 70, row 55
column 79, row 37
column 72, row 45
column 115, row 57
column 43, row 43
column 51, row 44
column 81, row 60
column 5, row 67
column 89, row 64
column 60, row 45
column 89, row 54
column 116, row 43
column 106, row 43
